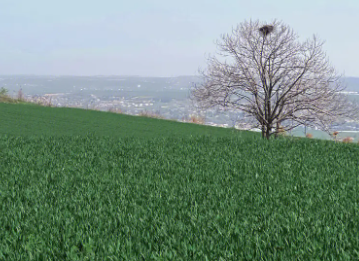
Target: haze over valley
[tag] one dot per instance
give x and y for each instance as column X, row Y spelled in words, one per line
column 164, row 96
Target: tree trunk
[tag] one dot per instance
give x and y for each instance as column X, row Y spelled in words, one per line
column 268, row 132
column 263, row 131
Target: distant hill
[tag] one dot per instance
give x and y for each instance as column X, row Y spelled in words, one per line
column 352, row 84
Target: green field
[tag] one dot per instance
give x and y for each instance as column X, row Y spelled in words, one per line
column 33, row 120
column 88, row 185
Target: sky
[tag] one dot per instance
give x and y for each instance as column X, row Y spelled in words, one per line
column 158, row 37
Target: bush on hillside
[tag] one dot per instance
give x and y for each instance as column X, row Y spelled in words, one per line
column 281, row 132
column 194, row 119
column 4, row 96
column 149, row 114
column 114, row 109
column 20, row 96
column 3, row 91
column 348, row 140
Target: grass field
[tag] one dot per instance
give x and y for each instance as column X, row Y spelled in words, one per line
column 34, row 120
column 159, row 190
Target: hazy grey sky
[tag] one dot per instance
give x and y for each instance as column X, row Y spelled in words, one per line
column 157, row 37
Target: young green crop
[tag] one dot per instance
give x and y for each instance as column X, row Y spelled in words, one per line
column 35, row 120
column 189, row 198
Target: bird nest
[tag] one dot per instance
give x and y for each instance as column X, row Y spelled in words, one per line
column 267, row 29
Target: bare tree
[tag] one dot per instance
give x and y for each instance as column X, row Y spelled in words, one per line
column 280, row 82
column 20, row 95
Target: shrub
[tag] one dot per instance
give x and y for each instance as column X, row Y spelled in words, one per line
column 281, row 131
column 148, row 114
column 4, row 97
column 3, row 92
column 348, row 140
column 7, row 99
column 196, row 119
column 20, row 95
column 335, row 134
column 115, row 110
column 42, row 101
column 92, row 107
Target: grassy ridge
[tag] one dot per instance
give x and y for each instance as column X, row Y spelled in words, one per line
column 194, row 198
column 35, row 120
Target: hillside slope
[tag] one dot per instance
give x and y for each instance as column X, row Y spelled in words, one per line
column 146, row 189
column 33, row 120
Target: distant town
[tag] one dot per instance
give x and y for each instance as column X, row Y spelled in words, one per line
column 173, row 109
column 162, row 97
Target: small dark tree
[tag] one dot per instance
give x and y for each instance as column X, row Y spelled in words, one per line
column 274, row 79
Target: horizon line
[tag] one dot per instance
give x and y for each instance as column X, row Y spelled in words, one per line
column 101, row 75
